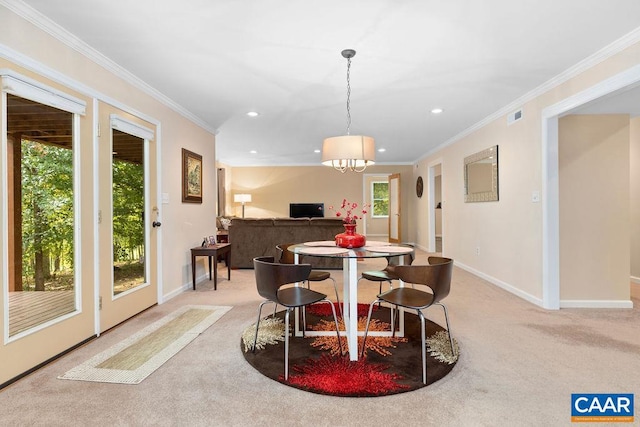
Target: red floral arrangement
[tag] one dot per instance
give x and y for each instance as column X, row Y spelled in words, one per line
column 346, row 211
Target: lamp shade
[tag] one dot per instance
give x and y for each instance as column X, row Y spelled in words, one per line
column 242, row 198
column 352, row 151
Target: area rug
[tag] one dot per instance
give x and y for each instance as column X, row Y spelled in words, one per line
column 135, row 358
column 391, row 364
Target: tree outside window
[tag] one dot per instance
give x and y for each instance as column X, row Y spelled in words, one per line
column 380, row 199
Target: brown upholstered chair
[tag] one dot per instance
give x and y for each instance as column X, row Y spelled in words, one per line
column 286, row 257
column 270, row 277
column 437, row 277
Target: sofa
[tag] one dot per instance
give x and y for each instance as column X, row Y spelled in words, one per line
column 254, row 237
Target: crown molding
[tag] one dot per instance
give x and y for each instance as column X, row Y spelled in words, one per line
column 603, row 54
column 47, row 25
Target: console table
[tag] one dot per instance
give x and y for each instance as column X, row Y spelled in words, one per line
column 211, row 251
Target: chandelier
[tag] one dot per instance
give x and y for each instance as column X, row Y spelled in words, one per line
column 348, row 152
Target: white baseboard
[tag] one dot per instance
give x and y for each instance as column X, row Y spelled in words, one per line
column 499, row 283
column 176, row 292
column 185, row 287
column 618, row 304
column 595, row 304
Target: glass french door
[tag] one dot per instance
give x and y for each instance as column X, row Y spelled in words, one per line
column 41, row 279
column 127, row 211
column 46, row 257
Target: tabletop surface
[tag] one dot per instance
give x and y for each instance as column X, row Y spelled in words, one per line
column 328, row 249
column 210, row 247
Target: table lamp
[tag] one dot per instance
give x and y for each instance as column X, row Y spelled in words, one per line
column 242, row 198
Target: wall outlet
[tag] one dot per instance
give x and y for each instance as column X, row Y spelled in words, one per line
column 535, row 196
column 477, row 250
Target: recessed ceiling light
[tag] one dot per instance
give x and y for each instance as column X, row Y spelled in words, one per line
column 381, row 150
column 316, row 151
column 253, row 114
column 253, row 152
column 437, row 111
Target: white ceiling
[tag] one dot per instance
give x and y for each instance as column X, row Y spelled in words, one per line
column 222, row 58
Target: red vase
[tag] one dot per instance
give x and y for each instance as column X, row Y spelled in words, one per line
column 350, row 239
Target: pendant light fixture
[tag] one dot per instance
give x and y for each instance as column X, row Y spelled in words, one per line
column 348, row 152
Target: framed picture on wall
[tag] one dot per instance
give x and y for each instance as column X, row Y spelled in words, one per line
column 191, row 177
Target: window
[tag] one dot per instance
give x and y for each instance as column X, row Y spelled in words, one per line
column 128, row 202
column 40, row 179
column 380, row 199
column 40, row 202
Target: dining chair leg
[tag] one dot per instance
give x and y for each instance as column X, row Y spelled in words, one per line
column 366, row 329
column 446, row 319
column 395, row 318
column 335, row 318
column 286, row 344
column 424, row 347
column 303, row 314
column 335, row 288
column 255, row 338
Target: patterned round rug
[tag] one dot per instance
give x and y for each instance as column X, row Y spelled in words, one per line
column 391, row 364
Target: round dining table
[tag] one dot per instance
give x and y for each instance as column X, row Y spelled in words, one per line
column 372, row 249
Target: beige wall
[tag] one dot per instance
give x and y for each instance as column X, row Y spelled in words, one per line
column 635, row 198
column 499, row 239
column 502, row 241
column 273, row 188
column 594, row 207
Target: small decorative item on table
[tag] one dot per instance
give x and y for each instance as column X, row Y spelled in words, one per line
column 350, row 239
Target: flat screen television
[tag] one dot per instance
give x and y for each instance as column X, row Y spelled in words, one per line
column 306, row 210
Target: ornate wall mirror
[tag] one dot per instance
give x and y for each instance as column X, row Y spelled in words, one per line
column 481, row 176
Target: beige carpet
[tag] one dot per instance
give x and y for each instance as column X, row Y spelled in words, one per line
column 521, row 363
column 135, row 358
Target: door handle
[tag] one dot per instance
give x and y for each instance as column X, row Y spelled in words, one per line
column 156, row 224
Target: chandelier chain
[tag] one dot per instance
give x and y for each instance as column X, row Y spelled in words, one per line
column 346, row 152
column 348, row 96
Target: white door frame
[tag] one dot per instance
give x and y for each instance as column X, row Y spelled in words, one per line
column 550, row 177
column 397, row 215
column 431, row 202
